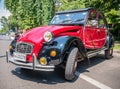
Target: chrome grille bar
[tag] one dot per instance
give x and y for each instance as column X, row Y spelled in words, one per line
column 24, row 48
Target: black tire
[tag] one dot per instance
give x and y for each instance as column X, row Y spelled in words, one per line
column 71, row 64
column 11, row 52
column 109, row 53
column 24, row 69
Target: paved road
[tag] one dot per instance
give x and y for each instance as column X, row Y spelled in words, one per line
column 4, row 37
column 101, row 74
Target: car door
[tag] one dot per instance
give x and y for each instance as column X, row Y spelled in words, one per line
column 102, row 30
column 91, row 35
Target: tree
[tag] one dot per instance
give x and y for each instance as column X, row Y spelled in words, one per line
column 9, row 23
column 13, row 23
column 5, row 23
column 62, row 5
column 103, row 5
column 31, row 13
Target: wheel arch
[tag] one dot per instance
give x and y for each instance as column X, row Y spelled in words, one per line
column 109, row 41
column 64, row 43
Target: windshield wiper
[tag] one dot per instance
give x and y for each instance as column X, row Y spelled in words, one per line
column 64, row 21
column 78, row 20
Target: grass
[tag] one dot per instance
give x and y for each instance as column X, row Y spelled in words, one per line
column 117, row 47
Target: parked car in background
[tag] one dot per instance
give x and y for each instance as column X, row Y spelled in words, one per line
column 71, row 37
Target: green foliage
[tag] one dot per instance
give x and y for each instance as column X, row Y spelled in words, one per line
column 3, row 30
column 5, row 23
column 9, row 23
column 31, row 13
column 70, row 5
column 103, row 5
column 113, row 16
column 117, row 47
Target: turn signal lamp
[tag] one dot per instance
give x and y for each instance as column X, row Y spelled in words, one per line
column 53, row 53
column 43, row 61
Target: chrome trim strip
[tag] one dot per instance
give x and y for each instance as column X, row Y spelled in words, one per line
column 34, row 65
column 27, row 44
column 34, row 61
column 95, row 53
column 7, row 59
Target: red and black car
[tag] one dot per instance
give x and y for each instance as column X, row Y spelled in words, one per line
column 71, row 36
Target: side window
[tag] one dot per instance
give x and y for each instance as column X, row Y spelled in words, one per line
column 101, row 22
column 92, row 19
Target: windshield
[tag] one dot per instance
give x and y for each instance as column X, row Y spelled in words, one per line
column 69, row 18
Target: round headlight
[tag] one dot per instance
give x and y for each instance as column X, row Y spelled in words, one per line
column 48, row 36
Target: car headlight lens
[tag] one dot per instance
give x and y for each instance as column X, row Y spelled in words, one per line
column 48, row 36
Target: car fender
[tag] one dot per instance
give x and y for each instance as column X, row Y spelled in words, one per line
column 109, row 41
column 63, row 44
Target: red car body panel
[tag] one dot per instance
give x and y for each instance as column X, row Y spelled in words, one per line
column 94, row 38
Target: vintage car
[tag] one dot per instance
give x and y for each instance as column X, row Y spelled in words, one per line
column 71, row 37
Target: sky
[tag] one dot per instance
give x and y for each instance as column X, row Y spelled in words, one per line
column 3, row 11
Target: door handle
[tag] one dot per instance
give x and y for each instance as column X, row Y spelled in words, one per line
column 98, row 31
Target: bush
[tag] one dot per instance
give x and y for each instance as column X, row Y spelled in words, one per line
column 116, row 31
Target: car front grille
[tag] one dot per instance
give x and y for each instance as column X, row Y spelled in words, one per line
column 24, row 48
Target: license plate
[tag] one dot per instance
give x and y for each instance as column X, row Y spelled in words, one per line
column 19, row 57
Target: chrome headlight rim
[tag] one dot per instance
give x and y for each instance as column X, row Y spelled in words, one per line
column 48, row 36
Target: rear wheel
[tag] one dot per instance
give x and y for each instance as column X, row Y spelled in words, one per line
column 71, row 64
column 109, row 53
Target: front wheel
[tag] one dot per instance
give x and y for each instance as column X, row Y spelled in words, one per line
column 71, row 64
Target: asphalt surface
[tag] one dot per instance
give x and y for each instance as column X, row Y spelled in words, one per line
column 101, row 74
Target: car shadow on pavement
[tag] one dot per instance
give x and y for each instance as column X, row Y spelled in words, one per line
column 56, row 76
column 40, row 76
column 82, row 67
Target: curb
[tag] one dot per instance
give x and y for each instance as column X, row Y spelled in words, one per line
column 116, row 51
column 2, row 56
column 6, row 39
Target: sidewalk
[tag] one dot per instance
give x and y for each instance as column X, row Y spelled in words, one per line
column 117, row 43
column 116, row 51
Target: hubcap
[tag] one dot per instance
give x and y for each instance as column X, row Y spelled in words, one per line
column 74, row 66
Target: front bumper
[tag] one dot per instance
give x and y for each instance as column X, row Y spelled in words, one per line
column 34, row 65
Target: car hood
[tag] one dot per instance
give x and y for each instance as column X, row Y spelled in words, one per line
column 36, row 35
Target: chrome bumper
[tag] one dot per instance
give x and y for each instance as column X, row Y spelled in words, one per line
column 34, row 65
